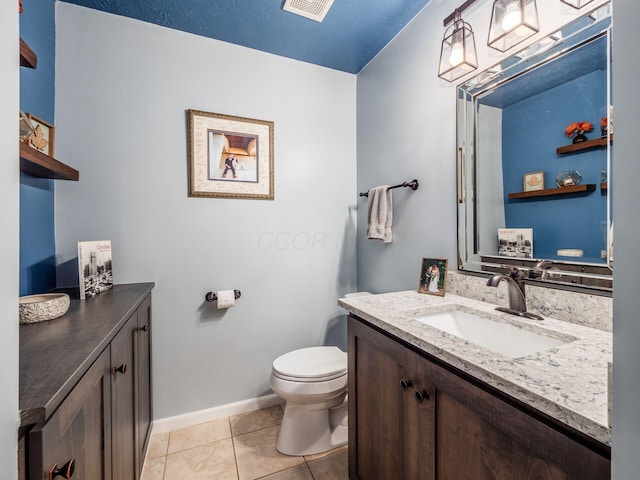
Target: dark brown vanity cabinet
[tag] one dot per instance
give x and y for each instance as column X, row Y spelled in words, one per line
column 93, row 422
column 413, row 417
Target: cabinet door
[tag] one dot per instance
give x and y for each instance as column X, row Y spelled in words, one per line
column 420, row 423
column 483, row 437
column 143, row 382
column 75, row 432
column 122, row 399
column 390, row 432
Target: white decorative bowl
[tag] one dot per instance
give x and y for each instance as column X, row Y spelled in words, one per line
column 42, row 307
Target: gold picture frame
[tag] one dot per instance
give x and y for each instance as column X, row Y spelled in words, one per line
column 533, row 181
column 37, row 133
column 230, row 157
column 433, row 276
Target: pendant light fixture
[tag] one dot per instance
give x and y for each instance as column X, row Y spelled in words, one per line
column 513, row 21
column 458, row 54
column 576, row 3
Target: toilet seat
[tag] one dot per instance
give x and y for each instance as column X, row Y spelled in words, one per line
column 291, row 378
column 313, row 364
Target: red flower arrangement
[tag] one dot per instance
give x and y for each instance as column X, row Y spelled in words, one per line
column 578, row 128
column 603, row 121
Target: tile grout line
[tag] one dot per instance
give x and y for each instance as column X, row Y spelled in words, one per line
column 233, row 445
column 166, row 458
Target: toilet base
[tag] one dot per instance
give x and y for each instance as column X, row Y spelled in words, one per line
column 307, row 431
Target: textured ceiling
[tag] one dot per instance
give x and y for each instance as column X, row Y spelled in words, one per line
column 352, row 33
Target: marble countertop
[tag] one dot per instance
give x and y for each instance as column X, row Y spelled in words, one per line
column 568, row 382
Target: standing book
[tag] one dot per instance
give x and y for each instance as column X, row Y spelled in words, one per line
column 515, row 242
column 94, row 267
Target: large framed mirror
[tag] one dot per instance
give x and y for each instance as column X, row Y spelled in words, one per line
column 534, row 182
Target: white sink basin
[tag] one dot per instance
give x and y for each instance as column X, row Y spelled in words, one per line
column 500, row 337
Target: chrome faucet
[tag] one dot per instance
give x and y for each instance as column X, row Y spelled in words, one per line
column 517, row 299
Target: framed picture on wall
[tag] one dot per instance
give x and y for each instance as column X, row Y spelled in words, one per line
column 433, row 276
column 230, row 157
column 533, row 181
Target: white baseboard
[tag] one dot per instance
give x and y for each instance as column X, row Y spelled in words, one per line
column 201, row 416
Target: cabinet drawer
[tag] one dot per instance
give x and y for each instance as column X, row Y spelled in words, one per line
column 73, row 437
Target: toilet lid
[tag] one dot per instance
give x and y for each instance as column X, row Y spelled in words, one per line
column 312, row 362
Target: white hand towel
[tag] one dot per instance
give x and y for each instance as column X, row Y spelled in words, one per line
column 380, row 214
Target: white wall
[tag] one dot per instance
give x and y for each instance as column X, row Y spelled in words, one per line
column 122, row 91
column 407, row 129
column 626, row 302
column 9, row 246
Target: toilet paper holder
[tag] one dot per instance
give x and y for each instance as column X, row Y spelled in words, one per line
column 212, row 297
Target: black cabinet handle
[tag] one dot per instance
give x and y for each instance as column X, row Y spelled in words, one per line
column 122, row 369
column 143, row 328
column 406, row 383
column 421, row 396
column 66, row 471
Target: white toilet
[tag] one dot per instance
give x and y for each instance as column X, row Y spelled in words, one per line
column 313, row 381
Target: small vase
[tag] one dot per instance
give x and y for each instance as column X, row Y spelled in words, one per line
column 569, row 178
column 581, row 137
column 603, row 132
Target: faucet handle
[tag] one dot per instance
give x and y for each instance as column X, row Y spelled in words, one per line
column 517, row 274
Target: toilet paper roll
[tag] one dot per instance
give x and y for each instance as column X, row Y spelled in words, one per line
column 226, row 298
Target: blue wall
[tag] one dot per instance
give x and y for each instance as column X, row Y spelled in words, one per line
column 37, row 229
column 532, row 129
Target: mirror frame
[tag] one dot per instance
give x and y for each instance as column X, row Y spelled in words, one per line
column 586, row 276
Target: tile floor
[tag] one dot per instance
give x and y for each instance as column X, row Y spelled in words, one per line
column 242, row 447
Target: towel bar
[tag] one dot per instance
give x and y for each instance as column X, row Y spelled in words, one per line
column 413, row 184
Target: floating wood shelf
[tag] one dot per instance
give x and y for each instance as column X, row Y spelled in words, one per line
column 589, row 187
column 32, row 161
column 28, row 58
column 40, row 165
column 587, row 145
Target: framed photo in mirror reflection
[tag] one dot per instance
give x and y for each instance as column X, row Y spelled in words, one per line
column 533, row 181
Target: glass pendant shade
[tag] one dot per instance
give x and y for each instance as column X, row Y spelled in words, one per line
column 576, row 3
column 458, row 54
column 513, row 21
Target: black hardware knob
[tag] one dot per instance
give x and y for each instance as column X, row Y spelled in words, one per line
column 143, row 328
column 406, row 383
column 122, row 369
column 66, row 471
column 422, row 395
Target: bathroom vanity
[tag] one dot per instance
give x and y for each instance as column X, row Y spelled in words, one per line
column 428, row 404
column 85, row 389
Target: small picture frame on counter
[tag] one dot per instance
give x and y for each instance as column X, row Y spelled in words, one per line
column 433, row 276
column 533, row 181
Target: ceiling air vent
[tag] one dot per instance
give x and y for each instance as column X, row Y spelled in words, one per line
column 313, row 9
